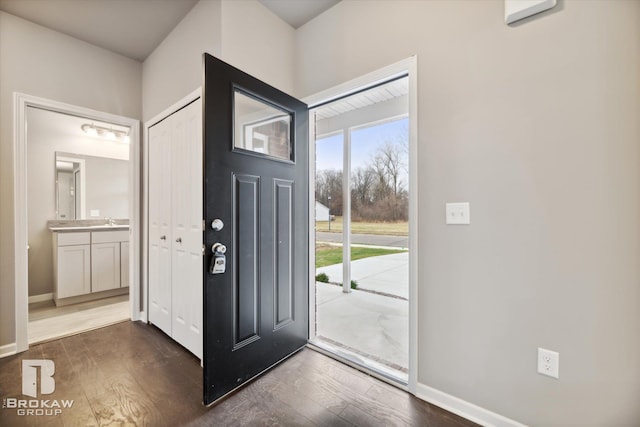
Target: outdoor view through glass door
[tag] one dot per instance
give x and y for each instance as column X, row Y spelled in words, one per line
column 361, row 225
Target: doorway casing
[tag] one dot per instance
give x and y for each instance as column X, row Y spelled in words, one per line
column 407, row 67
column 21, row 102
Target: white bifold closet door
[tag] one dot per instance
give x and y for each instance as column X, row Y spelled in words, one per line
column 160, row 225
column 175, row 226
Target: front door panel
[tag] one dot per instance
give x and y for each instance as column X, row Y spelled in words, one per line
column 256, row 180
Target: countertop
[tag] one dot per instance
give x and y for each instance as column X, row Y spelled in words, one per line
column 87, row 225
column 89, row 228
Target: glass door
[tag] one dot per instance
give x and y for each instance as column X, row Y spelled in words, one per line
column 361, row 228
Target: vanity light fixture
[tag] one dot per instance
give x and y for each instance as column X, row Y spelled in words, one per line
column 108, row 133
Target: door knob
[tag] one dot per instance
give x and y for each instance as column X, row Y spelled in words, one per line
column 179, row 240
column 163, row 237
column 219, row 248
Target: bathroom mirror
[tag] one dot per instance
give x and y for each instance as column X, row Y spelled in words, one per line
column 91, row 187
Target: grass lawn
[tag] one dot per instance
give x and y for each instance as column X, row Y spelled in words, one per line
column 360, row 227
column 329, row 255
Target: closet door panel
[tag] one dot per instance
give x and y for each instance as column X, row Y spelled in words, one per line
column 186, row 210
column 160, row 237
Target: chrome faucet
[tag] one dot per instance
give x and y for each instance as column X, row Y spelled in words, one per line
column 111, row 222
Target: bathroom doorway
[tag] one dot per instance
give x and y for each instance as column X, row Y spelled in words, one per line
column 77, row 185
column 78, row 220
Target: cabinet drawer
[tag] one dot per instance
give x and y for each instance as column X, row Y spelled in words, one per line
column 67, row 239
column 109, row 236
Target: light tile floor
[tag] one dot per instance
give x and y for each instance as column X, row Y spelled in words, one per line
column 48, row 322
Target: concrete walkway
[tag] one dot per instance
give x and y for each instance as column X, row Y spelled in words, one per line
column 386, row 273
column 365, row 239
column 369, row 323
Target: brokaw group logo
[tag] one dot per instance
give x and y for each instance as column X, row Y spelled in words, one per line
column 39, row 407
column 30, row 377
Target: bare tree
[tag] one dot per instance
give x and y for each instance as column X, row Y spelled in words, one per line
column 390, row 166
column 390, row 162
column 379, row 191
column 362, row 182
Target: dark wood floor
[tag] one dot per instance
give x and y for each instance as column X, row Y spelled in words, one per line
column 131, row 374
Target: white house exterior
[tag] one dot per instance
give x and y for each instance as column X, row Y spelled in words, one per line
column 322, row 212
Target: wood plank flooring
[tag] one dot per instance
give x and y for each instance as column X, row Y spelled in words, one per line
column 131, row 374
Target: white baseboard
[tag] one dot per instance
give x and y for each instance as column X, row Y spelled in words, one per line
column 463, row 408
column 8, row 350
column 40, row 298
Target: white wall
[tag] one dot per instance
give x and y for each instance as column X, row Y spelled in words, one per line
column 535, row 125
column 107, row 187
column 258, row 42
column 174, row 69
column 243, row 33
column 41, row 62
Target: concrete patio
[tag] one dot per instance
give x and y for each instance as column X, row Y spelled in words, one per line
column 367, row 322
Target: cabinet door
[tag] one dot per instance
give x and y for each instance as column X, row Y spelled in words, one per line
column 159, row 243
column 105, row 266
column 124, row 264
column 186, row 220
column 74, row 270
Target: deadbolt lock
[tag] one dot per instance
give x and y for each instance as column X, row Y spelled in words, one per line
column 217, row 224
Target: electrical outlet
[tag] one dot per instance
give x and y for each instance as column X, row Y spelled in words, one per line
column 548, row 363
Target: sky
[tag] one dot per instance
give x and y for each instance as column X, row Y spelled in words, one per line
column 364, row 144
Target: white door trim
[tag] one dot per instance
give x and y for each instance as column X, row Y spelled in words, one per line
column 407, row 66
column 181, row 103
column 21, row 102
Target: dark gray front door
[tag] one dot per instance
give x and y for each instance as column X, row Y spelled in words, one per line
column 256, row 184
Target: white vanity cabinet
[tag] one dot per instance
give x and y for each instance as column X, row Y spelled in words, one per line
column 90, row 264
column 72, row 261
column 106, row 259
column 124, row 264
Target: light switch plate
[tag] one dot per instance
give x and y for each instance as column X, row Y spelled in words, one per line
column 94, row 213
column 458, row 213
